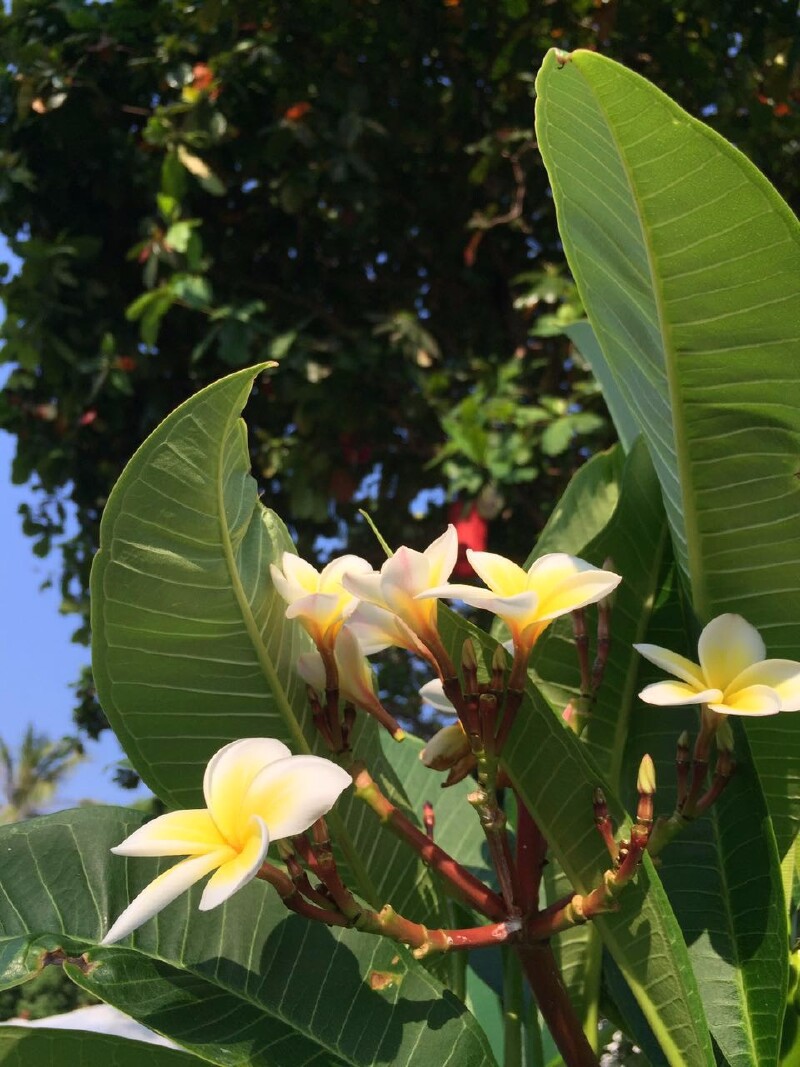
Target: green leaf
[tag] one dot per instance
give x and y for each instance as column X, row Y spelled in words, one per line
column 687, row 262
column 245, row 985
column 22, row 1046
column 192, row 649
column 179, row 233
column 193, row 289
column 585, row 508
column 582, row 336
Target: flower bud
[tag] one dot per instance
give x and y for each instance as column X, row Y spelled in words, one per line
column 446, row 748
column 646, row 782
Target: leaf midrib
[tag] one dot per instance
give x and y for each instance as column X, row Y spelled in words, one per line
column 697, row 578
column 744, row 999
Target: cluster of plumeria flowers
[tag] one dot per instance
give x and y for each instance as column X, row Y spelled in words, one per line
column 258, row 793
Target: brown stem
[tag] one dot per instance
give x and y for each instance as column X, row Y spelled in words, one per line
column 602, row 821
column 699, row 773
column 386, row 922
column 494, row 825
column 531, row 852
column 466, row 705
column 581, row 640
column 295, row 902
column 539, row 965
column 682, row 769
column 725, row 767
column 511, row 706
column 423, row 941
column 603, row 644
column 463, row 885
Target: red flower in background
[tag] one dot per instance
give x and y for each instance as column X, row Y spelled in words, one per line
column 297, row 111
column 473, row 532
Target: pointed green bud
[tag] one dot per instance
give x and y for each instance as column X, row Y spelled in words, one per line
column 499, row 659
column 646, row 782
column 683, row 740
column 469, row 661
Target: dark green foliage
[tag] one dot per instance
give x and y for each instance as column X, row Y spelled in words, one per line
column 49, row 993
column 350, row 188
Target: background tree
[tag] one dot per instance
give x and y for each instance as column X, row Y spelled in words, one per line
column 351, row 188
column 30, row 781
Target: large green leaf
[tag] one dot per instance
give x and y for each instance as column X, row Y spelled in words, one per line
column 246, row 985
column 21, row 1046
column 192, row 649
column 688, row 264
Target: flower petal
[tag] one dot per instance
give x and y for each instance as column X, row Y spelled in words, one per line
column 163, row 890
column 782, row 675
column 678, row 693
column 356, row 681
column 500, row 574
column 300, row 576
column 178, row 833
column 726, row 647
column 754, row 700
column 445, row 748
column 581, row 588
column 322, row 609
column 441, row 556
column 365, row 586
column 433, row 693
column 405, row 573
column 376, row 629
column 230, row 774
column 330, row 580
column 680, row 666
column 238, row 870
column 311, row 669
column 293, row 793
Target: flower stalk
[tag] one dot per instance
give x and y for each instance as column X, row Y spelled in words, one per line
column 460, row 883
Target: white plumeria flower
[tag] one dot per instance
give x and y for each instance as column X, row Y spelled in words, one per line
column 528, row 601
column 317, row 598
column 403, row 577
column 733, row 676
column 256, row 791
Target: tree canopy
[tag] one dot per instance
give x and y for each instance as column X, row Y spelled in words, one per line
column 352, row 189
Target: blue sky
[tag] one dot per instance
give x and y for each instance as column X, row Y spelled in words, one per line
column 38, row 660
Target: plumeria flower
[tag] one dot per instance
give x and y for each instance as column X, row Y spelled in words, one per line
column 256, row 792
column 403, row 577
column 317, row 598
column 377, row 628
column 528, row 601
column 733, row 676
column 356, row 681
